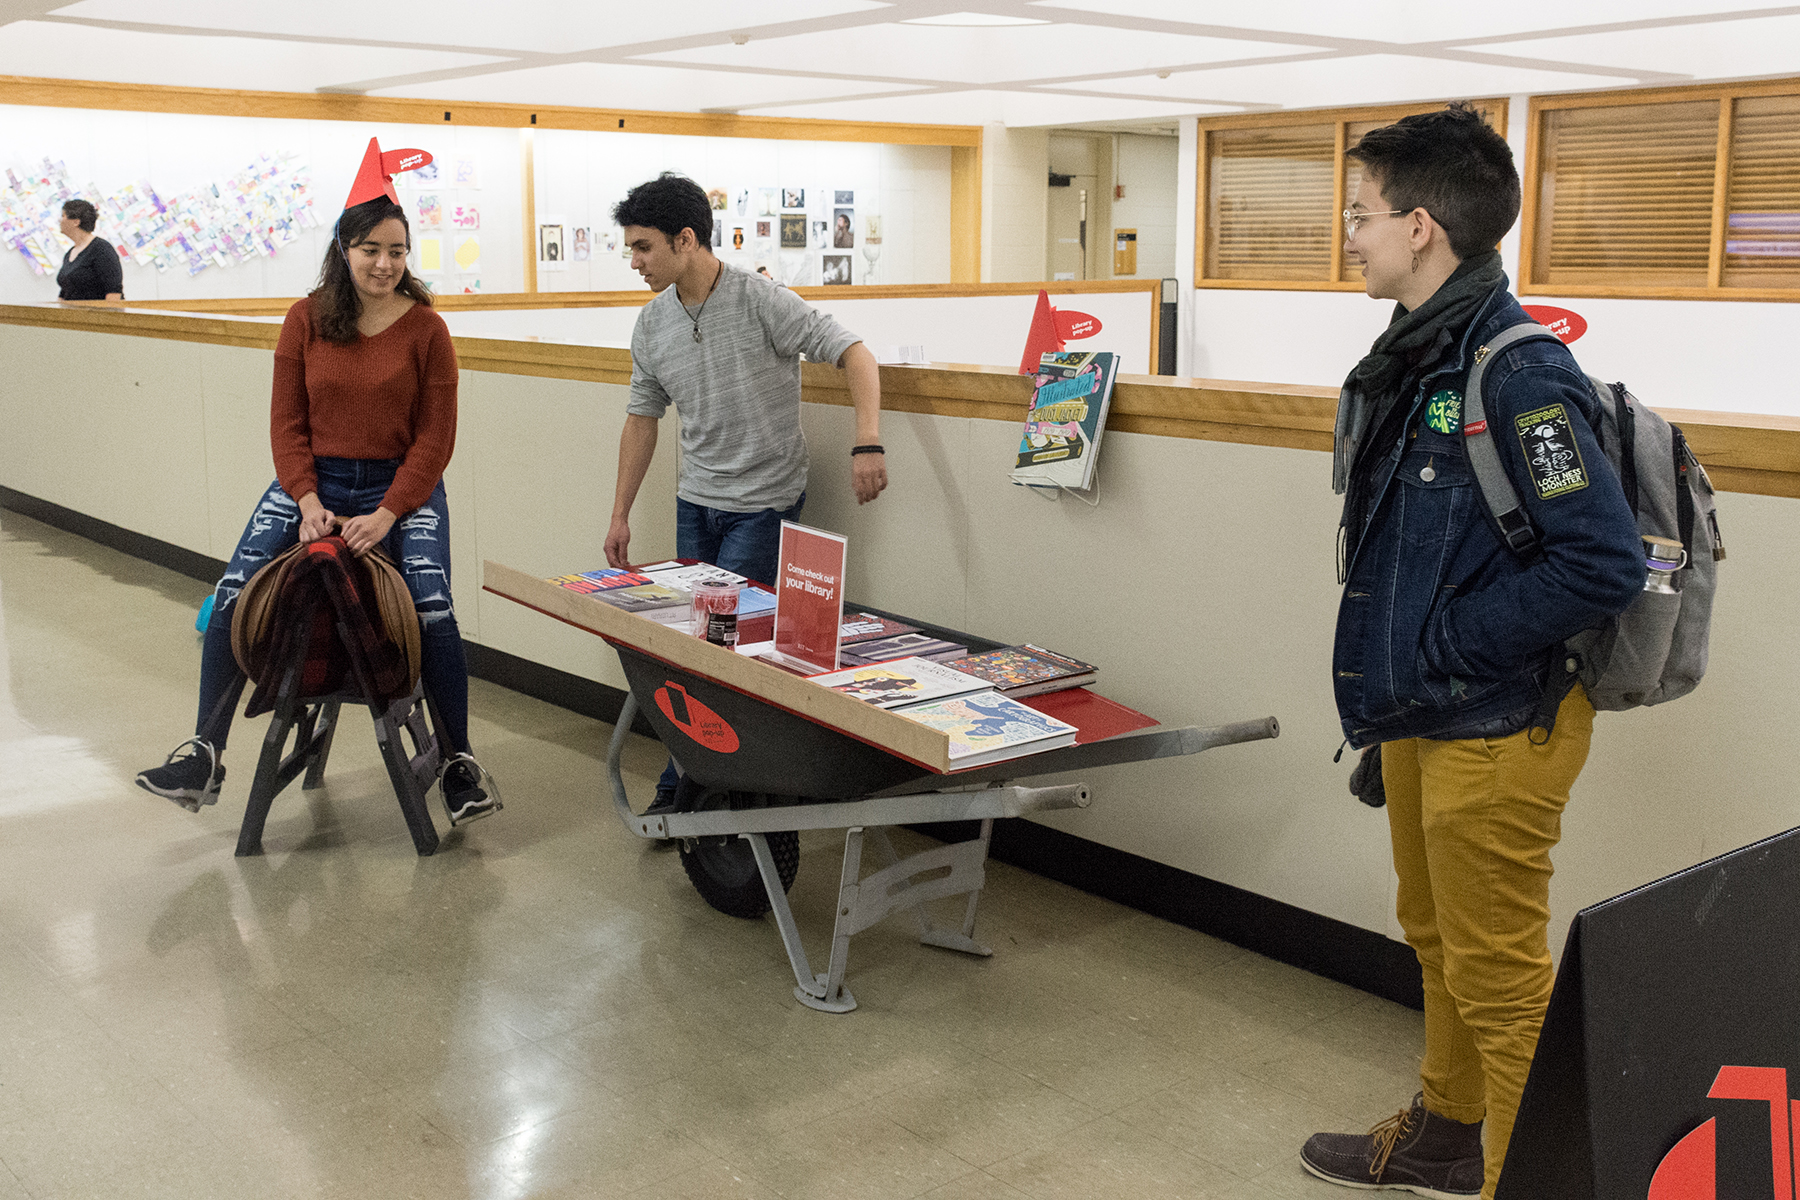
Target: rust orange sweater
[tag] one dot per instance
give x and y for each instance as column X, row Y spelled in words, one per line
column 388, row 396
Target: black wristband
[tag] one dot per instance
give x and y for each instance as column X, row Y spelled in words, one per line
column 871, row 448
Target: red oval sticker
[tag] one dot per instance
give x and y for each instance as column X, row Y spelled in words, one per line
column 696, row 720
column 1071, row 325
column 1564, row 324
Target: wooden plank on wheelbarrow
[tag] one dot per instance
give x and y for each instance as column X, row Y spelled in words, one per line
column 771, row 685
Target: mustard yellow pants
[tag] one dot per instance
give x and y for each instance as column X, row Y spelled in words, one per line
column 1473, row 823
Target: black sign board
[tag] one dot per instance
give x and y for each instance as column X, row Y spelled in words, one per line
column 1672, row 1044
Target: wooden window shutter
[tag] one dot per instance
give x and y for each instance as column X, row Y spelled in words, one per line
column 1762, row 224
column 1626, row 195
column 1268, row 206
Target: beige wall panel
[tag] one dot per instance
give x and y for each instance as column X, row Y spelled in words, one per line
column 107, row 426
column 234, row 384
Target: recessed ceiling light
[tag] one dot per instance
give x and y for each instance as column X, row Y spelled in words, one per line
column 968, row 19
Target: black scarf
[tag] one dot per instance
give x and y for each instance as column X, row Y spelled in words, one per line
column 1374, row 388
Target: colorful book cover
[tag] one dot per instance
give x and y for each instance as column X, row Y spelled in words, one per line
column 602, row 580
column 988, row 727
column 1069, row 402
column 642, row 598
column 906, row 681
column 1026, row 667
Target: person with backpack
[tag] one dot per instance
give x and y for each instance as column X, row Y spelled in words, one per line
column 1449, row 649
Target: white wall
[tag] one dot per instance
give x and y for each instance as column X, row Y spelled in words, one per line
column 1720, row 355
column 176, row 152
column 1146, row 167
column 1015, row 176
column 581, row 175
column 1203, row 585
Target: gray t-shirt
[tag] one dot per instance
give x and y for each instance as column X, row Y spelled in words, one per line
column 737, row 389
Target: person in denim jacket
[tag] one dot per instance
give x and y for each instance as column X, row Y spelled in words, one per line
column 1449, row 648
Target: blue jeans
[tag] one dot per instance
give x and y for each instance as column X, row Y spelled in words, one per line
column 745, row 542
column 419, row 542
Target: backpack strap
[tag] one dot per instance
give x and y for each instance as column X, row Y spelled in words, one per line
column 1496, row 485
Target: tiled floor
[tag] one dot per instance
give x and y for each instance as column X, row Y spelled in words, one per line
column 546, row 1008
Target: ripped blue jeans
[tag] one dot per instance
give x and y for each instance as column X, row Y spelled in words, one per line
column 419, row 542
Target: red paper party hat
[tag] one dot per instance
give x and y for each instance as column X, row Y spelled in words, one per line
column 375, row 177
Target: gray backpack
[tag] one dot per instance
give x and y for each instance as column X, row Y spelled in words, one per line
column 1656, row 649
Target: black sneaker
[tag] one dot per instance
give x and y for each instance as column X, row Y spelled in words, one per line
column 1414, row 1151
column 464, row 797
column 190, row 779
column 664, row 803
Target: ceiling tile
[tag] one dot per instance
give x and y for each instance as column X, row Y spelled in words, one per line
column 988, row 107
column 1405, row 21
column 977, row 56
column 60, row 51
column 1718, row 50
column 617, row 85
column 1360, row 79
column 541, row 28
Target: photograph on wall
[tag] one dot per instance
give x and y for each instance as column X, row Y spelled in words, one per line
column 431, row 256
column 464, row 216
column 793, row 197
column 797, row 269
column 737, row 237
column 843, row 228
column 550, row 246
column 583, row 246
column 843, row 197
column 468, row 175
column 872, row 229
column 765, row 230
column 718, row 236
column 431, row 212
column 468, row 254
column 766, row 202
column 613, row 240
column 834, row 268
column 821, row 234
column 793, row 231
column 743, row 203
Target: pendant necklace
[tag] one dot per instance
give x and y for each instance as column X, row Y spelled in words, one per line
column 695, row 315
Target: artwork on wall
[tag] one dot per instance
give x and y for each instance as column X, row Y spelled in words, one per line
column 793, row 197
column 716, row 198
column 845, row 197
column 765, row 230
column 429, row 175
column 718, row 236
column 220, row 223
column 843, row 228
column 583, row 247
column 765, row 202
column 468, row 254
column 835, row 268
column 821, row 234
column 551, row 253
column 468, row 174
column 743, row 203
column 793, row 231
column 464, row 216
column 737, row 237
column 431, row 256
column 431, row 211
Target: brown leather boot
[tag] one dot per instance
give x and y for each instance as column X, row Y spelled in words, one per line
column 1414, row 1151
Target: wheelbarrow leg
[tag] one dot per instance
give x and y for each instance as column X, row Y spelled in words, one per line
column 814, row 991
column 968, row 865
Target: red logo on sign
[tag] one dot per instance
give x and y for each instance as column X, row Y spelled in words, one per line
column 1564, row 324
column 1689, row 1171
column 695, row 719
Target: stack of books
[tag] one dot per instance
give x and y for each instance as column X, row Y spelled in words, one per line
column 1027, row 670
column 905, row 645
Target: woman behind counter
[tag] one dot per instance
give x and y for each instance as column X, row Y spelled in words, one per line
column 91, row 269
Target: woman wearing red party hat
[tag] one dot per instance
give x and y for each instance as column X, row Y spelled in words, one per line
column 362, row 424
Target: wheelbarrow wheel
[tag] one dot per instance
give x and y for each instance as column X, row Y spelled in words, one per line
column 723, row 871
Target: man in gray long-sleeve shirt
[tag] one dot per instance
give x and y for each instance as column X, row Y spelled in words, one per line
column 723, row 346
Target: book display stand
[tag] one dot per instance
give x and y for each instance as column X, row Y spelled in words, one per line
column 776, row 753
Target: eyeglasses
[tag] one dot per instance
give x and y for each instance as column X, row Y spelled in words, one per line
column 1352, row 219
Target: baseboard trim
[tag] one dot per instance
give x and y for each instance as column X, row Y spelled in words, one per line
column 1322, row 945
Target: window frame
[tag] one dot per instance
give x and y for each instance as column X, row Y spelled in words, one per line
column 1340, row 119
column 1726, row 95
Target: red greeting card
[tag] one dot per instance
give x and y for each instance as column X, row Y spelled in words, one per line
column 809, row 596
